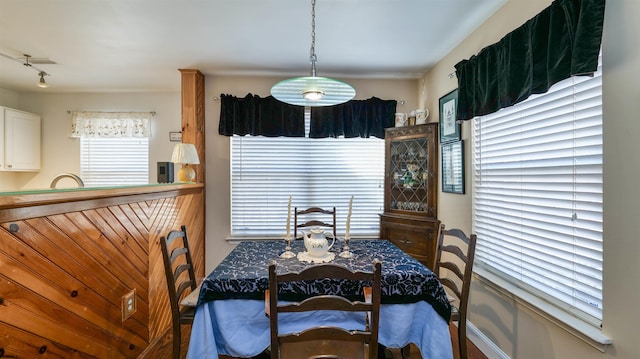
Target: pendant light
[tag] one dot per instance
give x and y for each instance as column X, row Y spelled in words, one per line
column 313, row 90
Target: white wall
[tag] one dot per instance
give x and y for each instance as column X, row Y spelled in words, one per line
column 60, row 153
column 519, row 332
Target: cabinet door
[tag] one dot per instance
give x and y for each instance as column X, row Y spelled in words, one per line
column 417, row 238
column 411, row 171
column 21, row 141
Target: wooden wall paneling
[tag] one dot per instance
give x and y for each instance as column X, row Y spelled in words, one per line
column 106, row 245
column 36, row 314
column 138, row 232
column 22, row 344
column 28, row 301
column 132, row 244
column 120, row 274
column 87, row 234
column 68, row 256
column 95, row 265
column 26, row 267
column 63, row 272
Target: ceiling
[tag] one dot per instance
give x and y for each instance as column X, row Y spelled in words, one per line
column 139, row 45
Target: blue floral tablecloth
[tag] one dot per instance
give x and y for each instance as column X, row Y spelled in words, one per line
column 243, row 274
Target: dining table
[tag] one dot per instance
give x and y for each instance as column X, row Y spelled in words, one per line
column 230, row 314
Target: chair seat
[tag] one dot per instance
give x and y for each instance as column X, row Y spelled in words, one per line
column 187, row 314
column 310, row 350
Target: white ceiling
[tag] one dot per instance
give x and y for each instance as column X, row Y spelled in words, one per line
column 139, row 45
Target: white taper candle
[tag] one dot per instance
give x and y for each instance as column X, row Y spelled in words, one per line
column 346, row 235
column 289, row 218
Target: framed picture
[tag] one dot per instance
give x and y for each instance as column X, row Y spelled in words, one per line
column 449, row 128
column 453, row 167
column 175, row 136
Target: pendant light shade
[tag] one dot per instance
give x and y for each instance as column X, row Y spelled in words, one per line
column 313, row 90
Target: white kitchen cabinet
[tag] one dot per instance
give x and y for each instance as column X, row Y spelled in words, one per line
column 19, row 140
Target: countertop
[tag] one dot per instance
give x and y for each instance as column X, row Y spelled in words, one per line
column 34, row 197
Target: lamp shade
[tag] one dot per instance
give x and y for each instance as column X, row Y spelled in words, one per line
column 313, row 91
column 185, row 153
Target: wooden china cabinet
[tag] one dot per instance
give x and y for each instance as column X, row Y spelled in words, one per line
column 411, row 178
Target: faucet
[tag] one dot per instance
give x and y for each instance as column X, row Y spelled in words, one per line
column 76, row 178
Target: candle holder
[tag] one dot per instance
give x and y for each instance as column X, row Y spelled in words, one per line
column 345, row 249
column 287, row 250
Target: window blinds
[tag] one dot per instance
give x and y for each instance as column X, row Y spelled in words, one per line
column 114, row 161
column 537, row 203
column 315, row 172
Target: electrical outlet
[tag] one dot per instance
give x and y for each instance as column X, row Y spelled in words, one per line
column 129, row 304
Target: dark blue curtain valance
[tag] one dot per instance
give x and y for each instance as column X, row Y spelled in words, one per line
column 561, row 41
column 257, row 116
column 355, row 118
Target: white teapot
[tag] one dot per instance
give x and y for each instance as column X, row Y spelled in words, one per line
column 316, row 243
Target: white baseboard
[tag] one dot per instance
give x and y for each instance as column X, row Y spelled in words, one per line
column 486, row 346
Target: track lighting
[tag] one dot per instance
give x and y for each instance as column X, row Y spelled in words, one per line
column 42, row 83
column 29, row 62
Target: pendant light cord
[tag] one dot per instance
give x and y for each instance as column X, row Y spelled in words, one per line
column 313, row 91
column 313, row 57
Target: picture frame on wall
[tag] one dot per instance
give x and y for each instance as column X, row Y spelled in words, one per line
column 449, row 128
column 453, row 167
column 175, row 136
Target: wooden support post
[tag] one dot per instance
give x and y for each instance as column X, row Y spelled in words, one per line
column 193, row 116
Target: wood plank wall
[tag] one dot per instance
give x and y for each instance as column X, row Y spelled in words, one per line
column 63, row 273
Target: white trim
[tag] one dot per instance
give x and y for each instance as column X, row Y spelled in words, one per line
column 490, row 349
column 573, row 325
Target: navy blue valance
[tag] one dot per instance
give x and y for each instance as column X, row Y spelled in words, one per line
column 257, row 116
column 355, row 118
column 561, row 41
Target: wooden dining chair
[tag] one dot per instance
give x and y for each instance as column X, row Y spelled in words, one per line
column 325, row 341
column 181, row 280
column 454, row 270
column 314, row 213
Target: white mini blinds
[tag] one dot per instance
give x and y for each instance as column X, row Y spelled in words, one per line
column 111, row 124
column 537, row 195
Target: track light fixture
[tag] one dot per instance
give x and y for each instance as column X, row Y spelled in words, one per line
column 27, row 61
column 42, row 83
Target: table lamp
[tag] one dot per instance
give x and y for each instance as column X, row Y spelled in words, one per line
column 185, row 153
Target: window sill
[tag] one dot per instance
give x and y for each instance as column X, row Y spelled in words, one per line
column 574, row 325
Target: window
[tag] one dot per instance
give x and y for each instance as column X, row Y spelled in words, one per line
column 114, row 147
column 113, row 161
column 537, row 195
column 315, row 172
